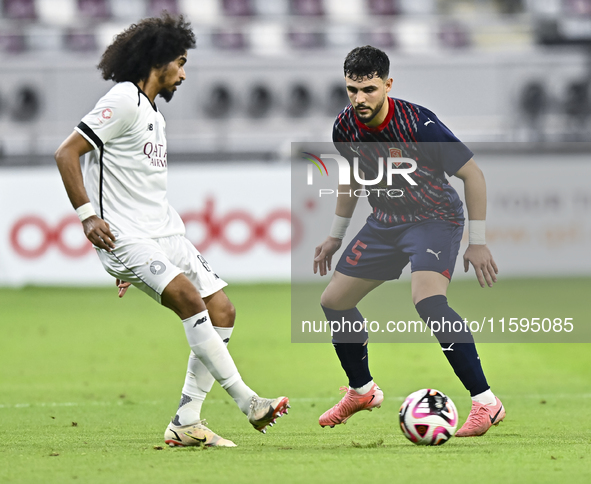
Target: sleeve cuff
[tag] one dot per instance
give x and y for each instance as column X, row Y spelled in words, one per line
column 89, row 134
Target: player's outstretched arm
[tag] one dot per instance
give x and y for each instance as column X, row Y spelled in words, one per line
column 343, row 213
column 67, row 157
column 477, row 252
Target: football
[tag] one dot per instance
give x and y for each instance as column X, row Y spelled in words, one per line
column 428, row 417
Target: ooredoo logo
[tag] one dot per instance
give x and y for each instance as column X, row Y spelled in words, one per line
column 45, row 236
column 107, row 113
column 32, row 236
column 278, row 230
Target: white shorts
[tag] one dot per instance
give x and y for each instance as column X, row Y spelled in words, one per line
column 150, row 264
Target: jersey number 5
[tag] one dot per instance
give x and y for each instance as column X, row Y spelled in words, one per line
column 357, row 252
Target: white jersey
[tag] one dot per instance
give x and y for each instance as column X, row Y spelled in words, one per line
column 126, row 174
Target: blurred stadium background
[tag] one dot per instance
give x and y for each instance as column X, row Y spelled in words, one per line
column 511, row 73
column 87, row 385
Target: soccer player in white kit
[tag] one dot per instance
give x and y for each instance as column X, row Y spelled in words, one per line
column 122, row 203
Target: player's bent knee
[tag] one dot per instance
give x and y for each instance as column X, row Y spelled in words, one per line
column 228, row 315
column 221, row 310
column 332, row 301
column 183, row 298
column 187, row 306
column 327, row 301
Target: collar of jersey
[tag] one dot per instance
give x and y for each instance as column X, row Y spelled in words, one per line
column 142, row 92
column 384, row 123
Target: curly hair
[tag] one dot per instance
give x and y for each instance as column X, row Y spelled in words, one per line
column 153, row 42
column 366, row 61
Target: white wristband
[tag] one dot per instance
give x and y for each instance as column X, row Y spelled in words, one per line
column 477, row 232
column 339, row 226
column 85, row 211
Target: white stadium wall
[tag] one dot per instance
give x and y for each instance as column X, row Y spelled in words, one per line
column 539, row 221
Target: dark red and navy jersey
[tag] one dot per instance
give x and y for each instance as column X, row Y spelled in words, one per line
column 409, row 131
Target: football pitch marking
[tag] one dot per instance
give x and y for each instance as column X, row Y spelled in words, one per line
column 292, row 400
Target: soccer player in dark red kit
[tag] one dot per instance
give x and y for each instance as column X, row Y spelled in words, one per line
column 422, row 223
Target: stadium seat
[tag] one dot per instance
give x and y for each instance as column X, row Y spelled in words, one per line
column 259, row 102
column 533, row 100
column 237, row 8
column 576, row 102
column 305, row 39
column 382, row 38
column 80, row 41
column 512, row 6
column 156, row 7
column 307, row 7
column 19, row 9
column 228, row 39
column 346, row 10
column 276, row 8
column 219, row 102
column 12, row 43
column 577, row 7
column 26, row 104
column 341, row 35
column 267, row 36
column 455, row 35
column 547, row 7
column 417, row 7
column 44, row 38
column 57, row 12
column 201, row 12
column 105, row 32
column 415, row 34
column 97, row 9
column 299, row 101
column 128, row 10
column 382, row 7
column 337, row 99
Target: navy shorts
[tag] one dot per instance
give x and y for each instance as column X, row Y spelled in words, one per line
column 380, row 252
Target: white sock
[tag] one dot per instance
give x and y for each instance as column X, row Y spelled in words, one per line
column 365, row 388
column 198, row 383
column 211, row 351
column 486, row 398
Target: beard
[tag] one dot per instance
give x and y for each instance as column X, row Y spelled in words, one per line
column 166, row 94
column 372, row 113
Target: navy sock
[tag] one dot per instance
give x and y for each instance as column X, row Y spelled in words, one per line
column 459, row 348
column 350, row 345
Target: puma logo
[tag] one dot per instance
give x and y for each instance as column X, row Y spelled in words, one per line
column 436, row 254
column 449, row 348
column 429, row 122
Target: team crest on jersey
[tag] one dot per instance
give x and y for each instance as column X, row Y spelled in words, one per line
column 396, row 153
column 107, row 113
column 157, row 267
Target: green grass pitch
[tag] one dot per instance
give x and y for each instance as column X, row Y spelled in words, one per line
column 89, row 382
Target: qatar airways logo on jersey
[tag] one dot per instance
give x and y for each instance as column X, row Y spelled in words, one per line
column 392, row 167
column 156, row 154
